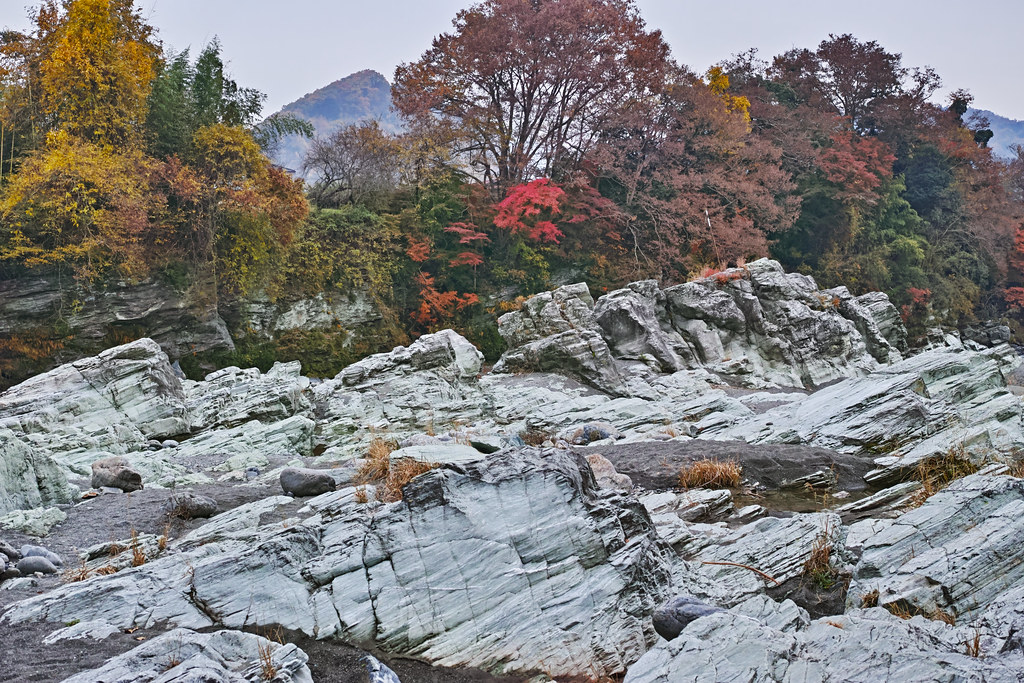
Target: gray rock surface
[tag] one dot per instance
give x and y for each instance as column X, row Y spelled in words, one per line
column 34, row 564
column 115, row 472
column 564, row 580
column 671, row 618
column 189, row 505
column 29, row 477
column 184, row 656
column 305, row 482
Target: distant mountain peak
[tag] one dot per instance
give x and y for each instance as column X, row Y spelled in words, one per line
column 357, row 97
column 1006, row 132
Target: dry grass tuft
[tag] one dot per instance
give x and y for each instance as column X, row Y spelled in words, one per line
column 138, row 556
column 939, row 472
column 362, row 496
column 378, row 460
column 713, row 474
column 974, row 645
column 82, row 572
column 869, row 599
column 535, row 437
column 899, row 609
column 269, row 670
column 941, row 615
column 819, row 565
column 400, row 474
column 904, row 610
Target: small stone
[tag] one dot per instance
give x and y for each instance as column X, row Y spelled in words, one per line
column 170, row 443
column 115, row 472
column 9, row 573
column 305, row 482
column 671, row 618
column 8, row 550
column 188, row 505
column 36, row 564
column 40, row 551
column 605, row 474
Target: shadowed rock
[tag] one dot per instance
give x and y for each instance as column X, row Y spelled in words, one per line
column 301, row 483
column 115, row 473
column 671, row 618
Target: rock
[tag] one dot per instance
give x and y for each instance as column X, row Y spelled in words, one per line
column 629, row 321
column 11, row 572
column 589, row 433
column 28, row 477
column 557, row 332
column 34, row 564
column 184, row 656
column 9, row 550
column 189, row 505
column 180, row 322
column 305, row 482
column 169, row 443
column 37, row 522
column 115, row 473
column 987, row 334
column 956, row 553
column 377, row 672
column 868, row 645
column 905, row 413
column 110, row 404
column 672, row 617
column 446, row 574
column 232, row 397
column 39, row 551
column 605, row 474
column 91, row 630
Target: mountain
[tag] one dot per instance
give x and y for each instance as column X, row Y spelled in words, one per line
column 1006, row 131
column 363, row 95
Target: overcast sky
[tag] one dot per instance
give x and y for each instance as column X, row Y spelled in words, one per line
column 287, row 48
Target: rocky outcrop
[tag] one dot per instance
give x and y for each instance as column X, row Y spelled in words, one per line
column 29, row 478
column 184, row 656
column 562, row 581
column 323, row 311
column 181, row 322
column 111, row 403
column 756, row 325
column 916, row 409
column 956, row 554
column 866, row 645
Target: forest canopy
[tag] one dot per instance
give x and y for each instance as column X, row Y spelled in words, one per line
column 544, row 140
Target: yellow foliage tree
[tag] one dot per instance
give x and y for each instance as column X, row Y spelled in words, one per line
column 718, row 83
column 81, row 204
column 97, row 77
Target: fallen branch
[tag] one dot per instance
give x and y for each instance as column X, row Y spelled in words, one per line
column 745, row 566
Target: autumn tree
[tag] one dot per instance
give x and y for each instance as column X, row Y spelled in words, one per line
column 528, row 85
column 96, row 78
column 359, row 163
column 701, row 187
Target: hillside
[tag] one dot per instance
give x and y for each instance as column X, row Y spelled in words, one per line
column 363, row 95
column 1006, row 132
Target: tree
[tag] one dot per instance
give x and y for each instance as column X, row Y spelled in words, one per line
column 96, row 78
column 853, row 78
column 359, row 163
column 529, row 85
column 700, row 186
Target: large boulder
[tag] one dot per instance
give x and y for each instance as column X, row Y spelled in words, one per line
column 110, row 403
column 184, row 656
column 29, row 478
column 115, row 472
column 563, row 580
column 756, row 325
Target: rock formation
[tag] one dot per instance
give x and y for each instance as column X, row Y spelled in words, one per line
column 540, row 524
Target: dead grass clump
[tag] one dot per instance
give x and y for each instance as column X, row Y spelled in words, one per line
column 819, row 565
column 378, row 460
column 899, row 609
column 401, row 473
column 712, row 474
column 138, row 556
column 941, row 615
column 904, row 610
column 974, row 645
column 362, row 496
column 269, row 670
column 534, row 437
column 869, row 599
column 82, row 572
column 940, row 471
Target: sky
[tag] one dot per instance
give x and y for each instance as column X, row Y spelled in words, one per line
column 287, row 48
